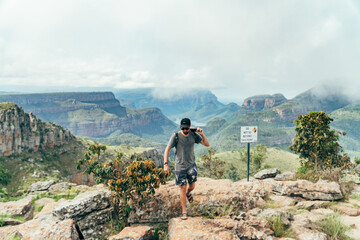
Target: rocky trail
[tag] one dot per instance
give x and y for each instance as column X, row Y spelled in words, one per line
column 222, row 209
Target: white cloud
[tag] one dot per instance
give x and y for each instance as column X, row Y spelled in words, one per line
column 235, row 48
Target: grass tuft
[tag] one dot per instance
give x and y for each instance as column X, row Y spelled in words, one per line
column 279, row 228
column 333, row 227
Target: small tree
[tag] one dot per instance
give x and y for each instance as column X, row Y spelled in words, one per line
column 5, row 176
column 257, row 156
column 131, row 182
column 317, row 144
column 214, row 167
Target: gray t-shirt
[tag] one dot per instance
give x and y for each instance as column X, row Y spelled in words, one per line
column 185, row 157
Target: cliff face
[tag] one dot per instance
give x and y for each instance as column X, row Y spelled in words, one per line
column 20, row 131
column 263, row 101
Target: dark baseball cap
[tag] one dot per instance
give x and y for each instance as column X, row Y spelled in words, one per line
column 185, row 122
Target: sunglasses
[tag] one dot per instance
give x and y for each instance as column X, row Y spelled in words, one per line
column 184, row 128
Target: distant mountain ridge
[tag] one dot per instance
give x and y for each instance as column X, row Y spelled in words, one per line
column 275, row 124
column 170, row 104
column 92, row 114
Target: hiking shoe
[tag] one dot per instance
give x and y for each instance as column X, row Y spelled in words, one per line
column 184, row 216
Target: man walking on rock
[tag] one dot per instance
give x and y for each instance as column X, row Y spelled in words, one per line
column 185, row 166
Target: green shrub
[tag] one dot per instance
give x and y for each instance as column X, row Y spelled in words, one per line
column 131, row 181
column 333, row 227
column 214, row 167
column 356, row 196
column 357, row 160
column 279, row 228
column 5, row 176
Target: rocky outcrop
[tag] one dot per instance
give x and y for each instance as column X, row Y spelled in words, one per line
column 322, row 190
column 90, row 211
column 210, row 196
column 20, row 131
column 241, row 227
column 263, row 101
column 87, row 216
column 22, row 207
column 42, row 229
column 41, row 186
column 267, row 173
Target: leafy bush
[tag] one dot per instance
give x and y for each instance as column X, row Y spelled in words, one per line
column 317, row 144
column 257, row 156
column 333, row 227
column 131, row 182
column 214, row 167
column 357, row 160
column 5, row 176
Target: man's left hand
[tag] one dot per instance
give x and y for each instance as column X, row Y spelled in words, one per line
column 200, row 131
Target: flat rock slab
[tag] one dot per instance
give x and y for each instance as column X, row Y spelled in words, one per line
column 267, row 173
column 247, row 227
column 83, row 204
column 283, row 201
column 347, row 209
column 310, row 205
column 11, row 221
column 41, row 186
column 134, row 233
column 22, row 207
column 61, row 187
column 286, row 176
column 322, row 190
column 37, row 229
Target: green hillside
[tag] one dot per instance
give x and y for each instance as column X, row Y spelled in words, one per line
column 348, row 119
column 275, row 158
column 131, row 140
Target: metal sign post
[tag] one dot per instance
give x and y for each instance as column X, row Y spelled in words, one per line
column 248, row 135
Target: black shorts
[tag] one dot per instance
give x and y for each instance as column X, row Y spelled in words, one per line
column 190, row 175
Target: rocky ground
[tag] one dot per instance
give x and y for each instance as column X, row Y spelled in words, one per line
column 222, row 209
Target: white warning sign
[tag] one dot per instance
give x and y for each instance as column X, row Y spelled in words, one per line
column 248, row 134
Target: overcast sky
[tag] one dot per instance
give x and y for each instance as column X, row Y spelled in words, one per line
column 234, row 48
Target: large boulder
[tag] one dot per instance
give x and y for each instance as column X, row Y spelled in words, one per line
column 303, row 225
column 243, row 227
column 42, row 229
column 41, row 186
column 322, row 190
column 60, row 187
column 209, row 196
column 22, row 207
column 267, row 173
column 286, row 176
column 91, row 211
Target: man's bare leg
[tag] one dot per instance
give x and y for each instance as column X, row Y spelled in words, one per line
column 190, row 188
column 183, row 198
